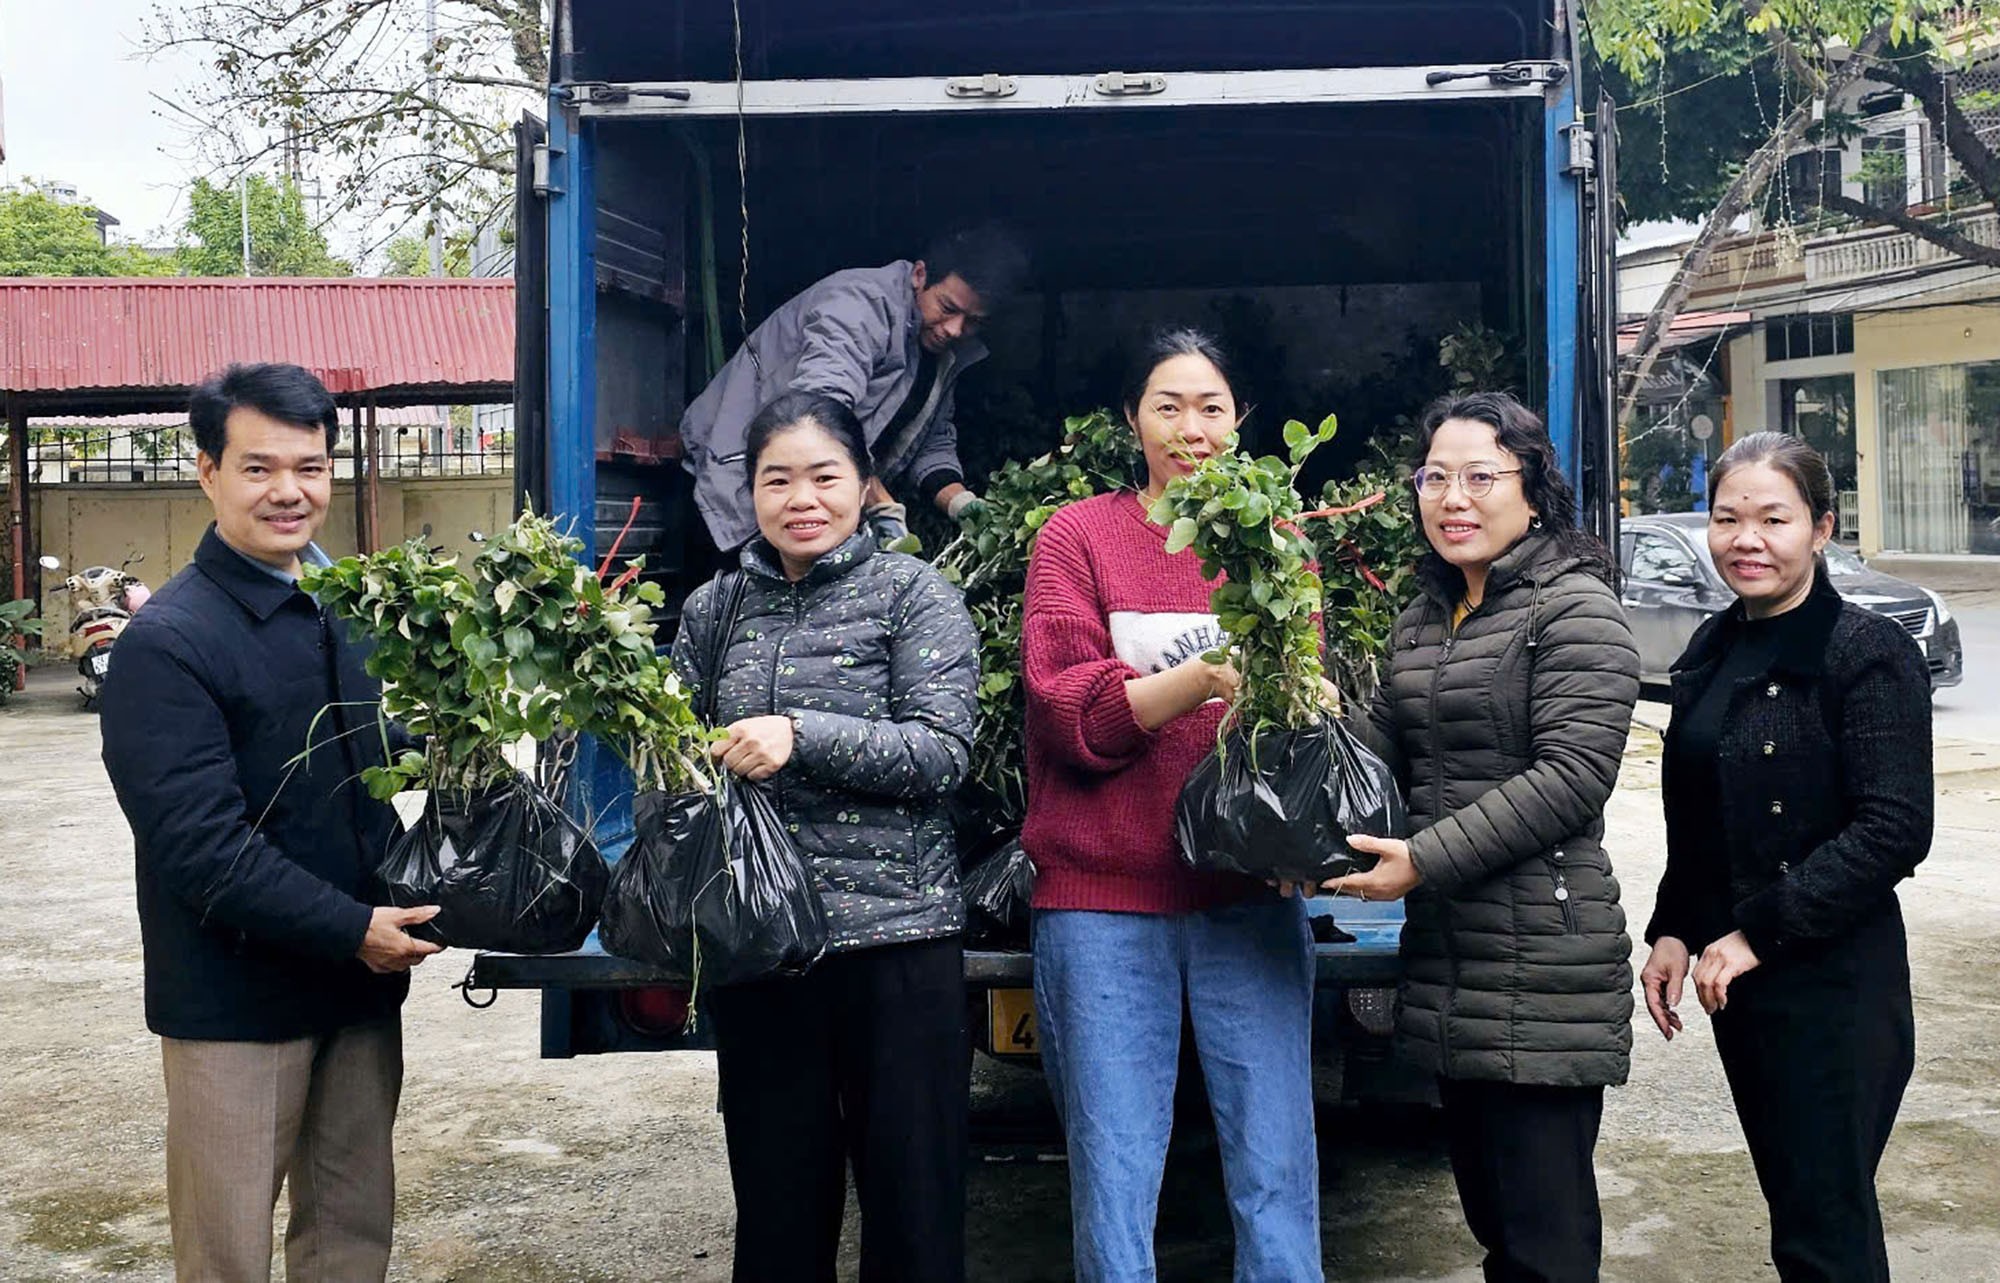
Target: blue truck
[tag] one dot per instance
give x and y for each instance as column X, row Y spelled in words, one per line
column 1334, row 179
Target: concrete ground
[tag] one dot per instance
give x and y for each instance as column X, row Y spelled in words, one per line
column 515, row 1169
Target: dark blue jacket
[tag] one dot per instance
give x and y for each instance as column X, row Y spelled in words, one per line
column 252, row 860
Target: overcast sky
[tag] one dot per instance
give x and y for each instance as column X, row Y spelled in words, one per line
column 78, row 109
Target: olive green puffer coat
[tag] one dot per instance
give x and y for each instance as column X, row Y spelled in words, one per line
column 1507, row 737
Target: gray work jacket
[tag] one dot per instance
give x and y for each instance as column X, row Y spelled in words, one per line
column 853, row 336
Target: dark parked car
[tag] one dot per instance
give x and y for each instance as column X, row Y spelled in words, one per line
column 1671, row 585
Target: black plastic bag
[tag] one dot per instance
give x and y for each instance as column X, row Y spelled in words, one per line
column 507, row 868
column 1284, row 805
column 999, row 895
column 713, row 891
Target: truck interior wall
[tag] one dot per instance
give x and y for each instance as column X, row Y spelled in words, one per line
column 802, row 39
column 1331, row 247
column 642, row 287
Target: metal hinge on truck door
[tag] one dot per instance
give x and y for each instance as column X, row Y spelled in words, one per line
column 539, row 177
column 1125, row 84
column 1582, row 150
column 990, row 85
column 1510, row 73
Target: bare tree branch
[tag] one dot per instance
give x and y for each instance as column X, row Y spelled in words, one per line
column 1937, row 234
column 353, row 94
column 1747, row 187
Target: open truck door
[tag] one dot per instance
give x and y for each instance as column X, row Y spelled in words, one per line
column 591, row 1002
column 1597, row 384
column 531, row 317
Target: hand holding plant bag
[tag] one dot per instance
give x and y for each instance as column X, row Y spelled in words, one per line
column 713, row 890
column 1287, row 784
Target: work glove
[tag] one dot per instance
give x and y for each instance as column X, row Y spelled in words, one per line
column 966, row 508
column 890, row 524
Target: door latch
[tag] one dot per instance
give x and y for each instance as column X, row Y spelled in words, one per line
column 1545, row 74
column 1122, row 84
column 598, row 93
column 990, row 85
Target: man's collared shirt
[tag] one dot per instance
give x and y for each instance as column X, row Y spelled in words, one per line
column 311, row 555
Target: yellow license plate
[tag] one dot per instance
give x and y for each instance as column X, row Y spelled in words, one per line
column 1010, row 1017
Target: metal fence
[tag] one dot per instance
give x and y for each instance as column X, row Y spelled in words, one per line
column 409, row 443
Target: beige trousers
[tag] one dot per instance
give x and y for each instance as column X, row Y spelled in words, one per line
column 243, row 1118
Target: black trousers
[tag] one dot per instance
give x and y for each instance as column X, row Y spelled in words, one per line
column 1818, row 1049
column 863, row 1061
column 1521, row 1156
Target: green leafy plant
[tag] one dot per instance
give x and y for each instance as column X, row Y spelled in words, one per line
column 1476, row 358
column 438, row 681
column 530, row 644
column 561, row 628
column 1368, row 545
column 1241, row 516
column 990, row 564
column 1352, row 561
column 17, row 620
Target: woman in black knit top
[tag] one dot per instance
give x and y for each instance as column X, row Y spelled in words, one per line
column 1797, row 787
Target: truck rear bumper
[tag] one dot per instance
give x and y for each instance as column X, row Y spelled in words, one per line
column 1347, row 965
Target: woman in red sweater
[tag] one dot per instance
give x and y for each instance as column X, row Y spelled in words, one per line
column 1121, row 707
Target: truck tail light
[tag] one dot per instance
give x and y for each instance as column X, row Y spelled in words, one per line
column 658, row 1012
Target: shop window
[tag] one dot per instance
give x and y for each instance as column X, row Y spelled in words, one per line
column 1941, row 458
column 1821, row 411
column 1797, row 338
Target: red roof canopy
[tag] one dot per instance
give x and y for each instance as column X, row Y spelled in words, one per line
column 82, row 345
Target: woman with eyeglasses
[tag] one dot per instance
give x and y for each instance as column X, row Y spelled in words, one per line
column 1504, row 714
column 1797, row 785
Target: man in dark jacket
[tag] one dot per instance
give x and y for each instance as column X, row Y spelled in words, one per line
column 236, row 723
column 889, row 343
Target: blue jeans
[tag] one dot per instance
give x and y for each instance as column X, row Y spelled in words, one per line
column 1108, row 994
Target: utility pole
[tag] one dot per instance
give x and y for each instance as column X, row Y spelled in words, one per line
column 430, row 95
column 438, row 433
column 243, row 208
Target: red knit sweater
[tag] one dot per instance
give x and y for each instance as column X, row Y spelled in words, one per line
column 1105, row 603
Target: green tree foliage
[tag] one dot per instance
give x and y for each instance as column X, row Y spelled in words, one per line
column 1714, row 77
column 411, row 256
column 1686, row 122
column 1369, row 545
column 1635, row 35
column 41, row 236
column 283, row 239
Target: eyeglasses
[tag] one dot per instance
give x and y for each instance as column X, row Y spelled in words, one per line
column 1477, row 480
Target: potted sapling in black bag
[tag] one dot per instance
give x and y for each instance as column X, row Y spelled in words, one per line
column 1288, row 783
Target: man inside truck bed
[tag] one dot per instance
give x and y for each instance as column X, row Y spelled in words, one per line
column 888, row 342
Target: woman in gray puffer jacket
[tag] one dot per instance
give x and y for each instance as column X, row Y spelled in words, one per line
column 1505, row 712
column 849, row 687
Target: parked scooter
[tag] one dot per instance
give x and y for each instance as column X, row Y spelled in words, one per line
column 101, row 602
